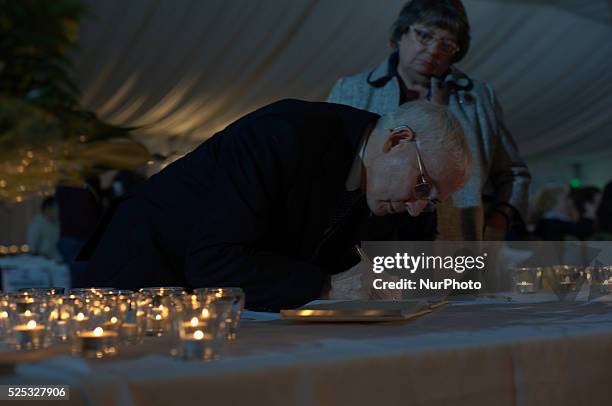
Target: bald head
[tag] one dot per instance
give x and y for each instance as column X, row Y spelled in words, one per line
column 428, row 129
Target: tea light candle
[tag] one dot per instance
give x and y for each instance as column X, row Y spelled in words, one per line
column 25, row 305
column 80, row 317
column 198, row 345
column 525, row 287
column 567, row 284
column 79, row 321
column 191, row 326
column 98, row 342
column 112, row 324
column 29, row 336
column 4, row 320
column 157, row 321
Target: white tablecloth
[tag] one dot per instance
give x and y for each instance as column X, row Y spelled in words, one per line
column 485, row 353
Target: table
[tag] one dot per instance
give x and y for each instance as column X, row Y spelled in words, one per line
column 482, row 352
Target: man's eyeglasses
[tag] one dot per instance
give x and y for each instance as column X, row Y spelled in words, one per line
column 423, row 188
column 424, row 37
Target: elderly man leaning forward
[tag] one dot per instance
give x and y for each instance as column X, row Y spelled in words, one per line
column 274, row 202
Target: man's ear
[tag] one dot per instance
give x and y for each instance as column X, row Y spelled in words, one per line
column 395, row 136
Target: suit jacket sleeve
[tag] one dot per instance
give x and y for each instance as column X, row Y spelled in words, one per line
column 255, row 164
column 509, row 174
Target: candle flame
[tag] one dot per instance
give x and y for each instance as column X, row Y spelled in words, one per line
column 158, row 317
column 198, row 335
column 31, row 324
column 4, row 315
column 98, row 331
column 27, row 313
column 205, row 313
column 80, row 316
column 113, row 320
column 194, row 321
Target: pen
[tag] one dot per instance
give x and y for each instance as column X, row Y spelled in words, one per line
column 362, row 254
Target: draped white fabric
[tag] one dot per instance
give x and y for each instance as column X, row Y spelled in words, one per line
column 184, row 69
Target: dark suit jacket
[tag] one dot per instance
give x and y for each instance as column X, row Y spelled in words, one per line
column 247, row 208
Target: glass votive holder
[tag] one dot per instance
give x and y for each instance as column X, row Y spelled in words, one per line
column 601, row 280
column 159, row 307
column 62, row 321
column 526, row 280
column 163, row 291
column 232, row 295
column 22, row 302
column 90, row 291
column 201, row 329
column 131, row 328
column 96, row 343
column 28, row 329
column 567, row 277
column 57, row 315
column 98, row 333
column 43, row 291
column 5, row 324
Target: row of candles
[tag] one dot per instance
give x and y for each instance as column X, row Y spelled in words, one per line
column 96, row 320
column 563, row 279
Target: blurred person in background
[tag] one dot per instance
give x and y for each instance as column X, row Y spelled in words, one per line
column 603, row 223
column 428, row 38
column 556, row 217
column 80, row 210
column 44, row 231
column 124, row 183
column 586, row 200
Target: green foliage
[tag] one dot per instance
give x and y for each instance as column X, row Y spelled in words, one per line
column 35, row 38
column 44, row 136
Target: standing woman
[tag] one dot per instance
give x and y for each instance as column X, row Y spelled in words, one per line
column 428, row 37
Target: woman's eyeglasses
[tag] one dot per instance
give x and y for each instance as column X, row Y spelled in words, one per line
column 424, row 37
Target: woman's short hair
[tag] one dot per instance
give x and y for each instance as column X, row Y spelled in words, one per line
column 547, row 199
column 583, row 196
column 448, row 15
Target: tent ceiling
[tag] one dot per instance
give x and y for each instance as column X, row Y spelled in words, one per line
column 184, row 69
column 598, row 10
